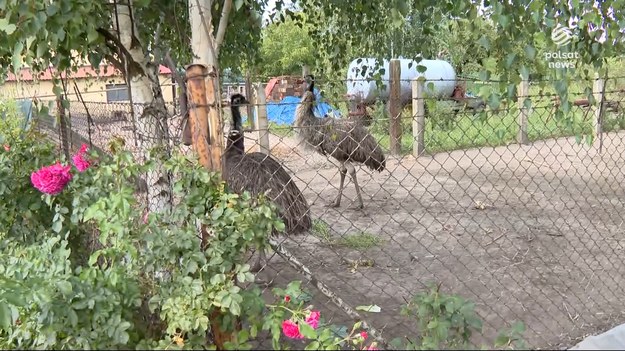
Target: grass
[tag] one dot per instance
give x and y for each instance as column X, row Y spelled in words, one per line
column 358, row 241
column 444, row 132
column 321, row 230
column 281, row 129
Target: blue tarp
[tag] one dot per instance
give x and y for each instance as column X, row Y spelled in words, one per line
column 283, row 112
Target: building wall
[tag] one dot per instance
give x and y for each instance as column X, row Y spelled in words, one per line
column 91, row 89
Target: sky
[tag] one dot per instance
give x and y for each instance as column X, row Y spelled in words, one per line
column 271, row 5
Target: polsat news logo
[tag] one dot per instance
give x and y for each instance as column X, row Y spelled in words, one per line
column 561, row 36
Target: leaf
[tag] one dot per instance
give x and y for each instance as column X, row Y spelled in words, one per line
column 57, row 226
column 14, row 299
column 313, row 346
column 73, row 317
column 307, row 331
column 5, row 316
column 235, row 308
column 238, row 4
column 484, row 42
column 7, row 27
column 370, row 308
column 65, row 287
column 17, row 56
column 92, row 35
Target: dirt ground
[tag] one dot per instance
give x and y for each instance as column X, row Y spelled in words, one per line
column 529, row 233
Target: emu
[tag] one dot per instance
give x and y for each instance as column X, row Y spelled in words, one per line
column 258, row 173
column 345, row 140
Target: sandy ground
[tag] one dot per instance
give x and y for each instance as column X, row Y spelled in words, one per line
column 529, row 233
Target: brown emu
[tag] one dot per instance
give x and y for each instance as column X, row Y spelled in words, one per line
column 258, row 173
column 345, row 140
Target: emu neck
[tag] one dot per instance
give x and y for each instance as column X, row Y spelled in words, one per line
column 237, row 121
column 235, row 141
column 304, row 114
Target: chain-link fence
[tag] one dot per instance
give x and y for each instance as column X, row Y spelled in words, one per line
column 529, row 231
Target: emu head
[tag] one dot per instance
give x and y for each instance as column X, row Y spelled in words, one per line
column 310, row 82
column 238, row 100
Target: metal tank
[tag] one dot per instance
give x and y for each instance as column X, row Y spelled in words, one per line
column 439, row 72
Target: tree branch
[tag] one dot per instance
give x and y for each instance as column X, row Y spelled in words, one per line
column 113, row 42
column 223, row 24
column 118, row 64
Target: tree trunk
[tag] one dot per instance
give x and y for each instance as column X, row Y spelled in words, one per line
column 150, row 112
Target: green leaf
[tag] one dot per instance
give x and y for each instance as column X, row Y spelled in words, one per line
column 7, row 27
column 313, row 346
column 72, row 316
column 530, row 51
column 92, row 35
column 369, row 308
column 235, row 308
column 484, row 42
column 65, row 287
column 17, row 56
column 525, row 72
column 57, row 226
column 238, row 4
column 5, row 316
column 307, row 331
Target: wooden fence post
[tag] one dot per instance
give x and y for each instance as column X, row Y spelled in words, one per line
column 64, row 132
column 261, row 119
column 248, row 95
column 215, row 129
column 395, row 107
column 198, row 111
column 598, row 91
column 523, row 94
column 418, row 116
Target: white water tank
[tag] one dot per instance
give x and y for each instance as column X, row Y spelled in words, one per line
column 439, row 72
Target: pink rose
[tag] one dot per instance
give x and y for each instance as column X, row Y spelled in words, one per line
column 291, row 329
column 313, row 319
column 7, row 148
column 79, row 160
column 51, row 179
column 287, row 298
column 364, row 335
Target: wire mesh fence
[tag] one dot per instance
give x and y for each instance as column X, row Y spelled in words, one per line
column 530, row 231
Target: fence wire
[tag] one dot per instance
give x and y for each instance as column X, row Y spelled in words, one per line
column 529, row 232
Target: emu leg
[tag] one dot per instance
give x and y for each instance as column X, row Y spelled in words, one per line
column 352, row 173
column 337, row 201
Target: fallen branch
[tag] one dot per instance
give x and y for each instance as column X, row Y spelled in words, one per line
column 295, row 263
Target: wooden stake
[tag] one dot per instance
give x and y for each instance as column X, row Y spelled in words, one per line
column 198, row 111
column 215, row 130
column 394, row 103
column 418, row 116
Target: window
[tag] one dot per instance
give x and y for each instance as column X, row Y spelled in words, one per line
column 116, row 92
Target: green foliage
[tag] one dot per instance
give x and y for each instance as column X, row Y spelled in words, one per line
column 461, row 41
column 443, row 321
column 446, row 322
column 22, row 211
column 285, row 48
column 58, row 285
column 68, row 27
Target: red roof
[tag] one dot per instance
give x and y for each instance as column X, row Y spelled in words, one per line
column 83, row 72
